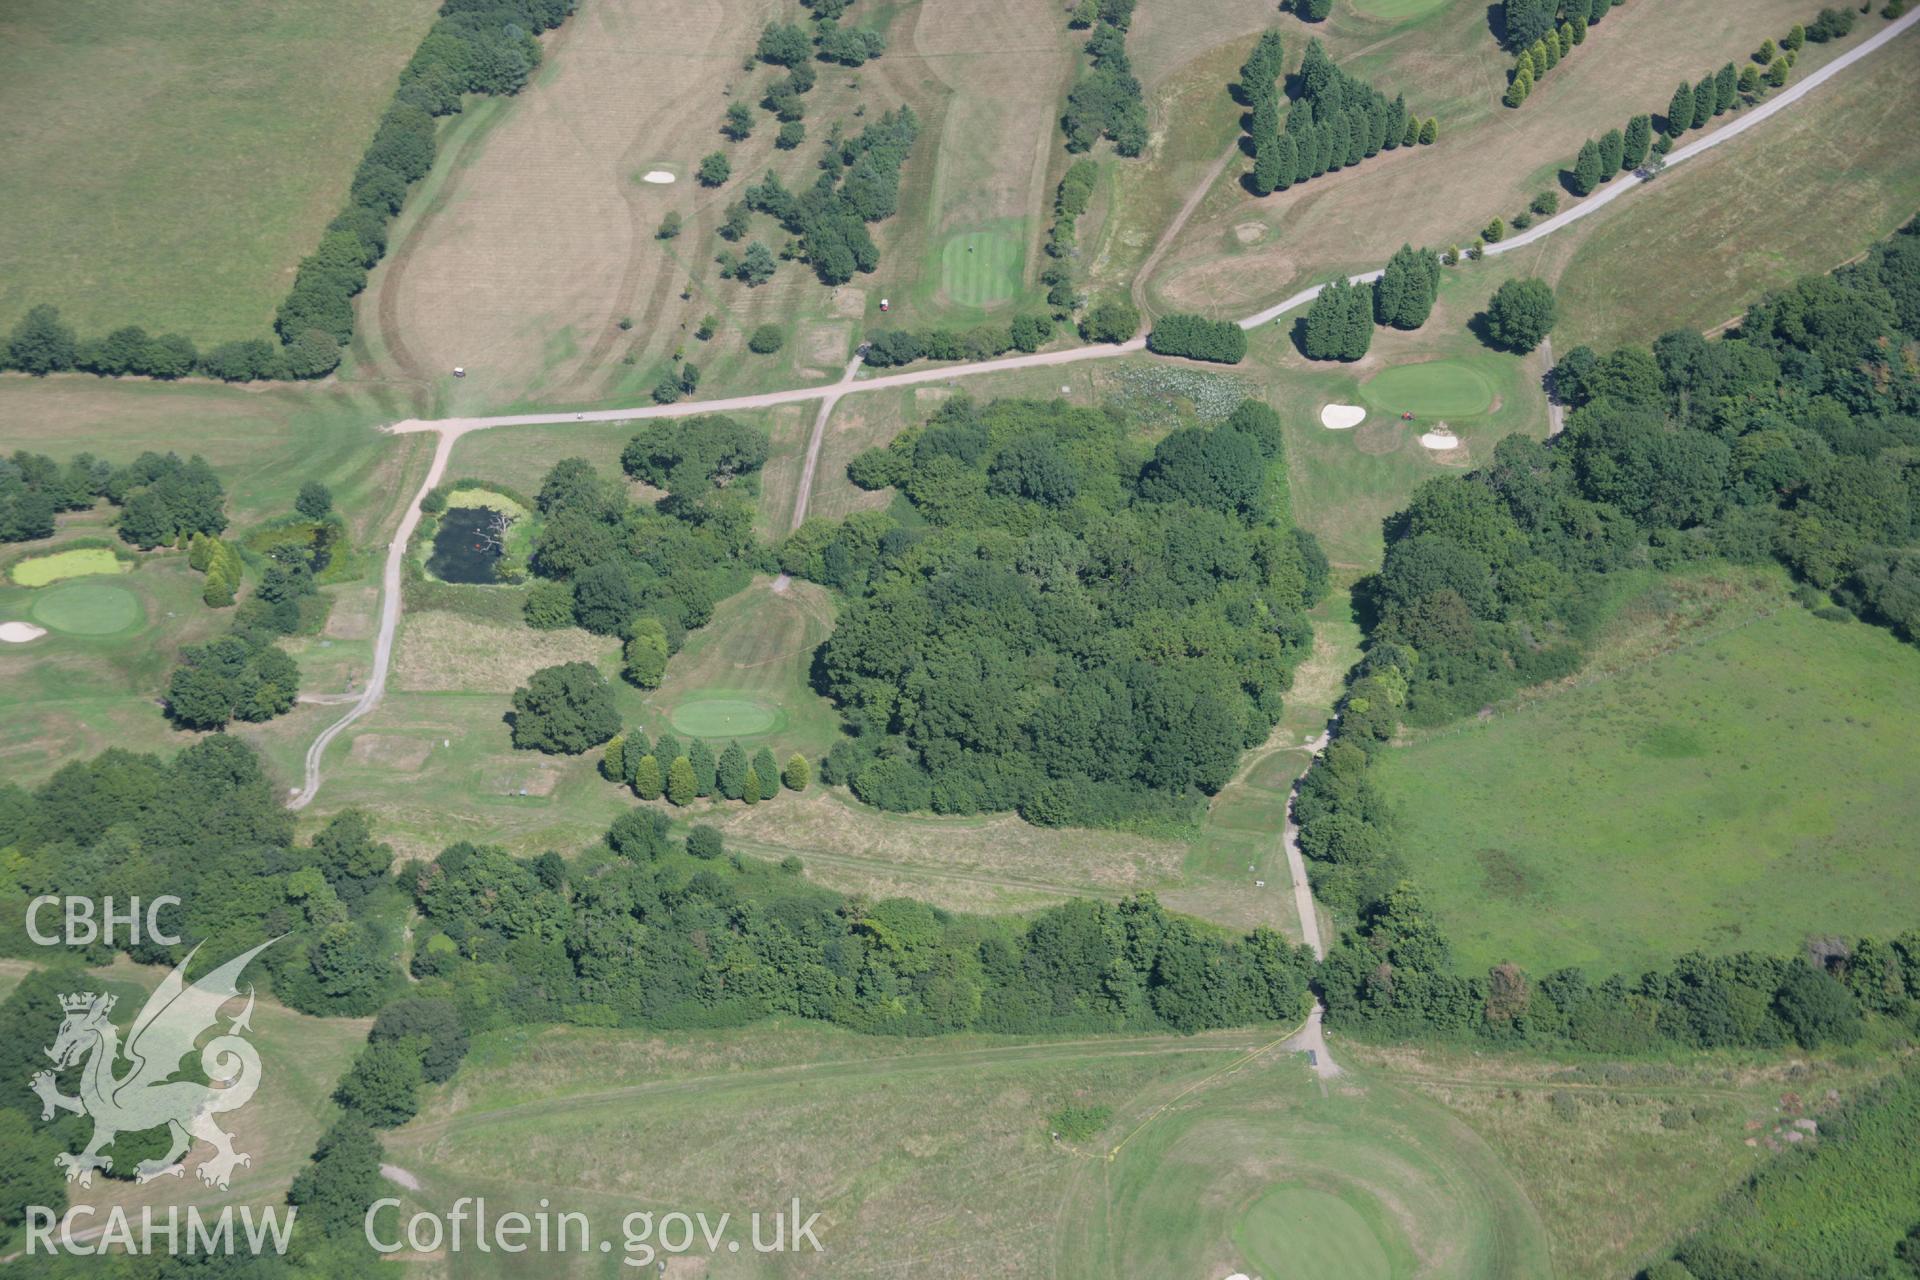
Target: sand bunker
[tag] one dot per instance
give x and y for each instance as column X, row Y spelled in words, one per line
column 1341, row 417
column 659, row 177
column 20, row 632
column 1440, row 438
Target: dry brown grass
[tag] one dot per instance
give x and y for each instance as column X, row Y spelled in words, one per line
column 444, row 652
column 1489, row 160
column 960, row 862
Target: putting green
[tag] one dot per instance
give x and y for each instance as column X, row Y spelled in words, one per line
column 1302, row 1231
column 77, row 563
column 980, row 268
column 721, row 716
column 1435, row 389
column 87, row 609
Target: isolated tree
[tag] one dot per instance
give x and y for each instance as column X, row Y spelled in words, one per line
column 647, row 783
column 1587, row 170
column 706, row 842
column 798, row 773
column 732, row 772
column 700, row 756
column 1430, row 132
column 750, row 787
column 1680, row 110
column 1794, row 38
column 1777, row 73
column 766, row 339
column 1749, row 82
column 715, row 169
column 1520, row 314
column 680, row 784
column 1765, row 53
column 315, row 500
column 1412, row 134
column 1313, row 10
column 1495, row 231
column 670, row 226
column 791, row 135
column 564, row 709
column 767, row 771
column 739, row 218
column 1639, row 137
column 739, row 122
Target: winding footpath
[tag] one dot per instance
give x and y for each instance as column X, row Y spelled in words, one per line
column 449, row 430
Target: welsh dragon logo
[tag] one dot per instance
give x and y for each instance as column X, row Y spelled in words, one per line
column 147, row 1096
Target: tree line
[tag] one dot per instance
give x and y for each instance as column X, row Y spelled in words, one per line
column 889, row 347
column 1106, row 101
column 1198, row 338
column 1552, row 47
column 1070, row 200
column 1068, row 629
column 162, row 499
column 1524, row 23
column 664, row 769
column 1335, row 120
column 474, row 46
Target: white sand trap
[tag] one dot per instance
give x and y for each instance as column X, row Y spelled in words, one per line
column 1440, row 439
column 20, row 632
column 1342, row 417
column 659, row 177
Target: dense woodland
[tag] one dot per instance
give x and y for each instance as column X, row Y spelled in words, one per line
column 1792, row 438
column 605, row 563
column 162, row 499
column 1070, row 624
column 1846, row 1207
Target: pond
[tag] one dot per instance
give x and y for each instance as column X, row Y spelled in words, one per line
column 465, row 548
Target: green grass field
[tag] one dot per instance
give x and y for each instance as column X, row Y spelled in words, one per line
column 193, row 220
column 1432, row 388
column 1396, row 10
column 1714, row 241
column 38, row 571
column 981, row 268
column 951, row 1171
column 1319, row 1233
column 1730, row 772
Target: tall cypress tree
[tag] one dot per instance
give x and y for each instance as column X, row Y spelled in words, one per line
column 1359, row 322
column 1586, row 169
column 1404, row 295
column 1703, row 100
column 1638, row 140
column 1412, row 134
column 769, row 772
column 1307, row 145
column 1680, row 110
column 1285, row 161
column 1265, row 175
column 1612, row 148
column 732, row 772
column 1357, row 126
column 1726, row 89
column 1396, row 122
column 700, row 756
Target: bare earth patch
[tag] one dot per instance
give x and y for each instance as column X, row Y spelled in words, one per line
column 849, row 303
column 441, row 652
column 1250, row 232
column 826, row 344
